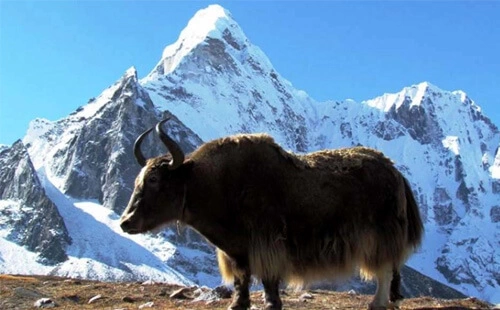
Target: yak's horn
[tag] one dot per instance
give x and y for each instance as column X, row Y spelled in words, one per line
column 173, row 148
column 141, row 160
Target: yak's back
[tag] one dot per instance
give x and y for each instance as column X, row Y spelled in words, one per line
column 234, row 142
column 242, row 147
column 344, row 159
column 262, row 147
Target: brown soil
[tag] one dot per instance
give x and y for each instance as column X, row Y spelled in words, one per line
column 21, row 292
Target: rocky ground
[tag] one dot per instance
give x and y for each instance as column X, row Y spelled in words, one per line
column 28, row 292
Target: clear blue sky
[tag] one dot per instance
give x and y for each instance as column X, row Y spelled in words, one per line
column 55, row 55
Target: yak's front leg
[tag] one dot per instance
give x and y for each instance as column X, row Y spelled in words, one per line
column 235, row 269
column 272, row 295
column 381, row 298
column 241, row 297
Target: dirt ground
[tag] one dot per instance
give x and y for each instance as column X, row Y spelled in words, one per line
column 22, row 292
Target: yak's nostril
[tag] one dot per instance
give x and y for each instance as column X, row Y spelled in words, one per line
column 125, row 225
column 129, row 227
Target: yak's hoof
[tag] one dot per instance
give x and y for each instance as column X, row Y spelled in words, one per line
column 391, row 305
column 235, row 305
column 395, row 301
column 395, row 304
column 273, row 306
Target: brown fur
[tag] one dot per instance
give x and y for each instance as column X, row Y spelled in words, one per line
column 268, row 254
column 296, row 218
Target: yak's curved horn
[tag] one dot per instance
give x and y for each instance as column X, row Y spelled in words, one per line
column 172, row 146
column 141, row 160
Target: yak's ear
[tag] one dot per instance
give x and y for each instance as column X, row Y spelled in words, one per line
column 188, row 163
column 186, row 166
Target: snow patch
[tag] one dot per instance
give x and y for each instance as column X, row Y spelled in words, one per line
column 15, row 259
column 452, row 143
column 101, row 251
column 495, row 168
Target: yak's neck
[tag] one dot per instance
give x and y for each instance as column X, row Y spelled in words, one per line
column 183, row 203
column 208, row 219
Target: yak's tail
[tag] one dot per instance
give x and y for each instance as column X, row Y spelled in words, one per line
column 228, row 269
column 225, row 267
column 415, row 231
column 415, row 225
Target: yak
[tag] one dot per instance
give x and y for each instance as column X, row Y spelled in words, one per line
column 282, row 217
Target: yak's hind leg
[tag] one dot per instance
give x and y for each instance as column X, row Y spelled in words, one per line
column 272, row 295
column 395, row 295
column 241, row 298
column 381, row 298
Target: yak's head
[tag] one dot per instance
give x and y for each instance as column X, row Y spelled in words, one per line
column 160, row 189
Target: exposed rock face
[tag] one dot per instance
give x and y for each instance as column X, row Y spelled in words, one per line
column 92, row 153
column 443, row 208
column 30, row 217
column 495, row 214
column 89, row 155
column 419, row 120
column 389, row 130
column 109, row 136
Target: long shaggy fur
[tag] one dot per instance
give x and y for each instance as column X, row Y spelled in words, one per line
column 331, row 243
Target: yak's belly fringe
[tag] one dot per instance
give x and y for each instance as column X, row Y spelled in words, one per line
column 269, row 258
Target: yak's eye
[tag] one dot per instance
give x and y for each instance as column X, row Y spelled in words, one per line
column 153, row 179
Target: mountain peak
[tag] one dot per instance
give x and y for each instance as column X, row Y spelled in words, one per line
column 414, row 96
column 427, row 86
column 209, row 22
column 212, row 22
column 131, row 72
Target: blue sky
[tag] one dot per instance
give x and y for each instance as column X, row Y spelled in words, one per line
column 55, row 55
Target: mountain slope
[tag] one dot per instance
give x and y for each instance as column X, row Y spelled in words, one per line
column 28, row 218
column 87, row 154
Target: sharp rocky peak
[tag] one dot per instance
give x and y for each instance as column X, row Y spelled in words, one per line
column 213, row 22
column 430, row 113
column 428, row 97
column 408, row 96
column 131, row 72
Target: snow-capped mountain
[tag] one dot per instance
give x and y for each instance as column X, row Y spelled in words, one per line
column 213, row 82
column 213, row 72
column 87, row 154
column 87, row 168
